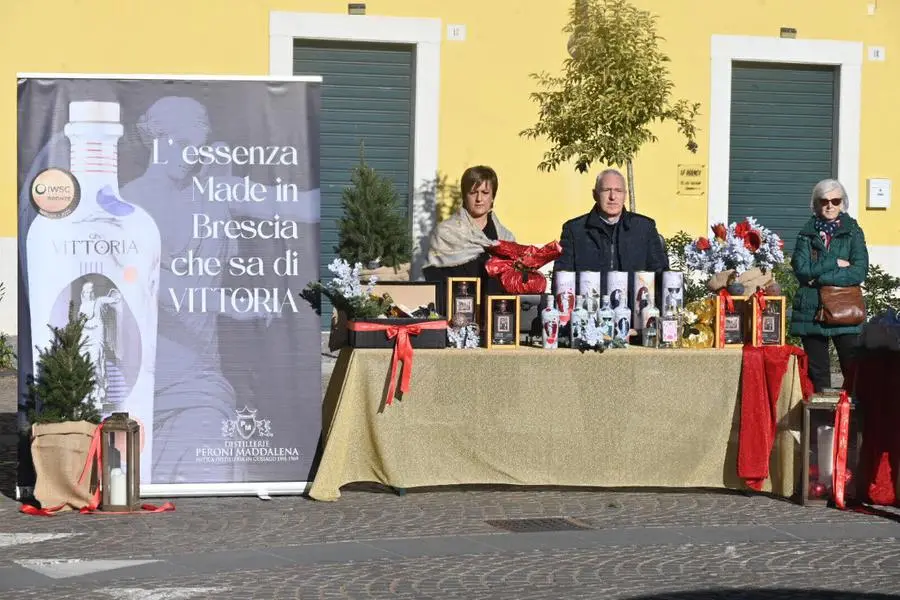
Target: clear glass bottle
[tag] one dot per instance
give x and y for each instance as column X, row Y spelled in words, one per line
column 606, row 318
column 550, row 324
column 579, row 320
column 670, row 327
column 650, row 326
column 103, row 257
column 464, row 304
column 623, row 322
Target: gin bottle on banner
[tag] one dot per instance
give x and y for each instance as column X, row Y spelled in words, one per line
column 606, row 319
column 550, row 324
column 103, row 255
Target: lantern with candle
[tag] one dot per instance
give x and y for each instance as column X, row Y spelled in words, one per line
column 121, row 460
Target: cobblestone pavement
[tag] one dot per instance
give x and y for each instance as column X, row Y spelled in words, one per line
column 681, row 545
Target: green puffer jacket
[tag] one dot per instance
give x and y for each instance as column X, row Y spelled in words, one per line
column 815, row 266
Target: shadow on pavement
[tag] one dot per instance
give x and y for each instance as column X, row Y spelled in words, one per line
column 773, row 594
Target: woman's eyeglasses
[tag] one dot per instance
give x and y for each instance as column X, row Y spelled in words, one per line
column 832, row 201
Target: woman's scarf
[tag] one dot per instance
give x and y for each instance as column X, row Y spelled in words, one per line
column 459, row 240
column 827, row 229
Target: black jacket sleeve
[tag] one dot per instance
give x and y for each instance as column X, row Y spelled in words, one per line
column 657, row 258
column 566, row 262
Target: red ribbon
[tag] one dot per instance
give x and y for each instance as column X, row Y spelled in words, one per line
column 727, row 305
column 841, row 434
column 93, row 458
column 403, row 350
column 759, row 297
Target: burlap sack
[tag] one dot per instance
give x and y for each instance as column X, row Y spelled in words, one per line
column 59, row 452
column 750, row 279
column 338, row 337
column 386, row 273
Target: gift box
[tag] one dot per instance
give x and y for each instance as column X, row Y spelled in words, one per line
column 732, row 323
column 769, row 321
column 380, row 333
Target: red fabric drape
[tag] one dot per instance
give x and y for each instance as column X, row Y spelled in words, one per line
column 762, row 372
column 878, row 393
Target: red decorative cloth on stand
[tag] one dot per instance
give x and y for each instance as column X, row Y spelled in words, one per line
column 878, row 394
column 762, row 372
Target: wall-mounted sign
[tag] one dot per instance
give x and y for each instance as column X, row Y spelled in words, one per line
column 691, row 180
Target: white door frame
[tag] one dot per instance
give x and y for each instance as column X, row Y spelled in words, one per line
column 724, row 49
column 425, row 34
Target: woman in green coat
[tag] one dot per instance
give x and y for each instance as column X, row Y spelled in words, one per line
column 830, row 250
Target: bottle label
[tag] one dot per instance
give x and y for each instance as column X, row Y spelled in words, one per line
column 669, row 331
column 55, row 193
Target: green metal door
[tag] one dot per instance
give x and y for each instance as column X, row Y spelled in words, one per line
column 783, row 141
column 367, row 97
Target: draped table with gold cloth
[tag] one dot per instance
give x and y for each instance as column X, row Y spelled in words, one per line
column 624, row 418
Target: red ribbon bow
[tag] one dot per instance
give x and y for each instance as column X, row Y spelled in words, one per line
column 93, row 458
column 403, row 350
column 841, row 434
column 727, row 306
column 516, row 265
column 759, row 297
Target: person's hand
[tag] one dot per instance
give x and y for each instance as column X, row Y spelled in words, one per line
column 843, row 263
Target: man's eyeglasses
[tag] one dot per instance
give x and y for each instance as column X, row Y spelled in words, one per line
column 832, row 201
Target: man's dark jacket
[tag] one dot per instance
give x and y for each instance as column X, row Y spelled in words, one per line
column 632, row 244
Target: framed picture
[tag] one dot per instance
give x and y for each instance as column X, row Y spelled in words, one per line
column 464, row 300
column 502, row 321
column 771, row 322
column 735, row 323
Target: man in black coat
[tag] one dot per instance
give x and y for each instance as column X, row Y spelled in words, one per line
column 609, row 238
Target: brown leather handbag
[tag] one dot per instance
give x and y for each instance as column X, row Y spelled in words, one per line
column 841, row 305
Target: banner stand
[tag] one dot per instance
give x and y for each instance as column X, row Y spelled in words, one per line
column 179, row 217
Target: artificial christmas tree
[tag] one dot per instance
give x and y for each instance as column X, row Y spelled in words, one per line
column 62, row 386
column 373, row 231
column 61, row 408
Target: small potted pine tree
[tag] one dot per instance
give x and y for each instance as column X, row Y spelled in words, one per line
column 63, row 416
column 373, row 230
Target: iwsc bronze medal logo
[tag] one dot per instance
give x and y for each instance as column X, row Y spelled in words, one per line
column 55, row 193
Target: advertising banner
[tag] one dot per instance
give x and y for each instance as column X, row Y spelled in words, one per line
column 180, row 217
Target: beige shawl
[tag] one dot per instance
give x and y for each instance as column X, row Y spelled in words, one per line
column 458, row 240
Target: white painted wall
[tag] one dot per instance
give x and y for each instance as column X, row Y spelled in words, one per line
column 887, row 257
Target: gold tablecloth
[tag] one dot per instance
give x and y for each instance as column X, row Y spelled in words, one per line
column 630, row 417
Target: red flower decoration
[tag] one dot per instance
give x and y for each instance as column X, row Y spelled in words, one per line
column 780, row 243
column 703, row 244
column 742, row 229
column 720, row 231
column 516, row 265
column 753, row 240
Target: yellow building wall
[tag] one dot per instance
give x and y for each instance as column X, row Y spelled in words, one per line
column 484, row 82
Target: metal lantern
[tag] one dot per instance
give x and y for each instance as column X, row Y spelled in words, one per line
column 120, row 459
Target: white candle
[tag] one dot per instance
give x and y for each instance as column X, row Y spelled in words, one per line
column 825, row 444
column 118, row 493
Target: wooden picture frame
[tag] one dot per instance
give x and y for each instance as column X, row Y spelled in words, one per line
column 773, row 323
column 510, row 316
column 737, row 331
column 453, row 296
